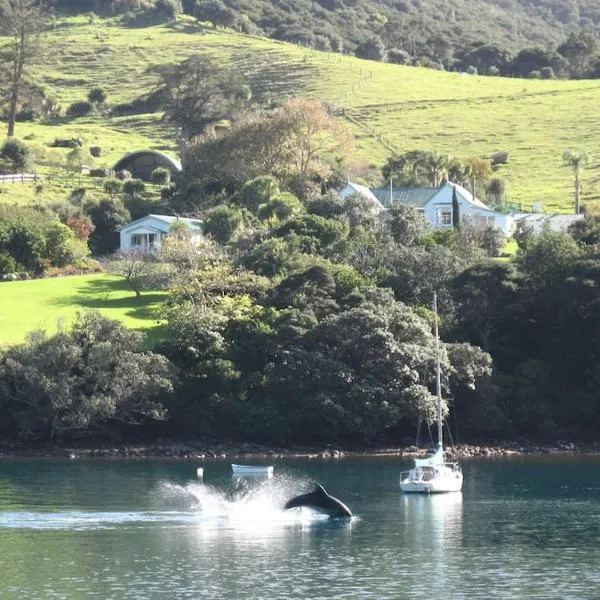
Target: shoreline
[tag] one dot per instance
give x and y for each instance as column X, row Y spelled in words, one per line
column 200, row 450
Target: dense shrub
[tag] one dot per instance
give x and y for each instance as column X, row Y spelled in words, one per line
column 134, row 186
column 16, row 155
column 161, row 176
column 97, row 96
column 80, row 109
column 7, row 263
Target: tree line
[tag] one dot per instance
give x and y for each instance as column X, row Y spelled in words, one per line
column 302, row 318
column 528, row 39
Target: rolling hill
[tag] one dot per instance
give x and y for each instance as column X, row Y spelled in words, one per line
column 388, row 107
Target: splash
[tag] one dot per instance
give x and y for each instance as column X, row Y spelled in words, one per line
column 246, row 503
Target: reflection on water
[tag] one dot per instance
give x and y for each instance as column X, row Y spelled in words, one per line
column 433, row 521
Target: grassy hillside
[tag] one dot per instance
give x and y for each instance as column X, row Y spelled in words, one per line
column 387, row 106
column 52, row 303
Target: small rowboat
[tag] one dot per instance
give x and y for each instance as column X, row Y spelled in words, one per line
column 252, row 471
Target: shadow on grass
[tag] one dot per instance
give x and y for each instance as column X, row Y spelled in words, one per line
column 97, row 295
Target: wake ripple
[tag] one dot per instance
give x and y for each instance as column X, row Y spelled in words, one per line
column 197, row 504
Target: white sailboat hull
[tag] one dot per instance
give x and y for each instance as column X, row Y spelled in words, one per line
column 438, row 480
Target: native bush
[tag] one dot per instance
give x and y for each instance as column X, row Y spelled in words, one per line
column 80, row 109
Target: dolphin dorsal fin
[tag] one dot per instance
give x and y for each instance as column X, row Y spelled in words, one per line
column 320, row 488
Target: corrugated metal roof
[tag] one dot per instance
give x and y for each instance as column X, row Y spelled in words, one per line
column 413, row 196
column 195, row 224
column 192, row 223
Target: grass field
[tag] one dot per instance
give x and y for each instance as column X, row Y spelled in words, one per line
column 52, row 303
column 389, row 106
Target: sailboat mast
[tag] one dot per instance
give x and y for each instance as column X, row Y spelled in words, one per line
column 438, row 380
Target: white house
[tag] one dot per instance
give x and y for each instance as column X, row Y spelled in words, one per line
column 538, row 221
column 150, row 231
column 436, row 204
column 355, row 188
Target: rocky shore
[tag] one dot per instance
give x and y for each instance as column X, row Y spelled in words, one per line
column 203, row 450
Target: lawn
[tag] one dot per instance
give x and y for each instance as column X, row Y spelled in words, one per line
column 52, row 303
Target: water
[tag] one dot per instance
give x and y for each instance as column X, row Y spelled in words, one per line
column 522, row 528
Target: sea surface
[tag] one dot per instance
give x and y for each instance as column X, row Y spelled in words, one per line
column 526, row 527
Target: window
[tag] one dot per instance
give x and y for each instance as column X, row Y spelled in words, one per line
column 446, row 217
column 143, row 240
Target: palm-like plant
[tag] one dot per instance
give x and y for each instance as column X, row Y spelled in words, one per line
column 577, row 161
column 437, row 166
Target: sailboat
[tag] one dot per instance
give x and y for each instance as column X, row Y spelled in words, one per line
column 433, row 474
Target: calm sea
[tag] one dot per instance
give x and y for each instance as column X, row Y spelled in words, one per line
column 522, row 528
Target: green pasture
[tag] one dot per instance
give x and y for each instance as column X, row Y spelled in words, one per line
column 388, row 107
column 50, row 304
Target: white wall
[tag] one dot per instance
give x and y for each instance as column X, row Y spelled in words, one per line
column 145, row 225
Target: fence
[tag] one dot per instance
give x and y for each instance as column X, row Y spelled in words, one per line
column 18, row 178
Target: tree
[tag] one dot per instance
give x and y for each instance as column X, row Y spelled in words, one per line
column 198, row 93
column 314, row 139
column 81, row 379
column 107, row 216
column 577, row 161
column 298, row 142
column 496, row 191
column 371, row 48
column 578, row 49
column 438, row 164
column 547, row 257
column 281, row 208
column 257, row 192
column 215, row 12
column 406, row 224
column 22, row 21
column 97, row 96
column 222, row 222
column 134, row 266
column 455, row 209
column 17, row 155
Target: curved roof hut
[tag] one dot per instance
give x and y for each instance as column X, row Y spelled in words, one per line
column 141, row 163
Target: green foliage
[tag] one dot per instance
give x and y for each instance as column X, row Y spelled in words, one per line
column 80, row 109
column 161, row 176
column 222, row 222
column 107, row 216
column 133, row 187
column 93, row 374
column 547, row 257
column 258, row 191
column 215, row 12
column 97, row 96
column 324, row 232
column 113, row 187
column 16, row 155
column 281, row 208
column 406, row 224
column 198, row 92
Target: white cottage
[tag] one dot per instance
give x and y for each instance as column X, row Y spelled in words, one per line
column 537, row 222
column 436, row 204
column 149, row 232
column 355, row 188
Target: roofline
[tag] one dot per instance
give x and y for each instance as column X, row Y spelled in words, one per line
column 176, row 163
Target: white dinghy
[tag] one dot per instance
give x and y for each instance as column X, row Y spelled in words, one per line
column 252, row 471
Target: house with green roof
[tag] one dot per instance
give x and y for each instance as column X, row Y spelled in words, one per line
column 149, row 232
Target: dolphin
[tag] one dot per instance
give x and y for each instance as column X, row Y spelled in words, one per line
column 320, row 501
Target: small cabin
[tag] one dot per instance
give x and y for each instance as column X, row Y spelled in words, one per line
column 148, row 233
